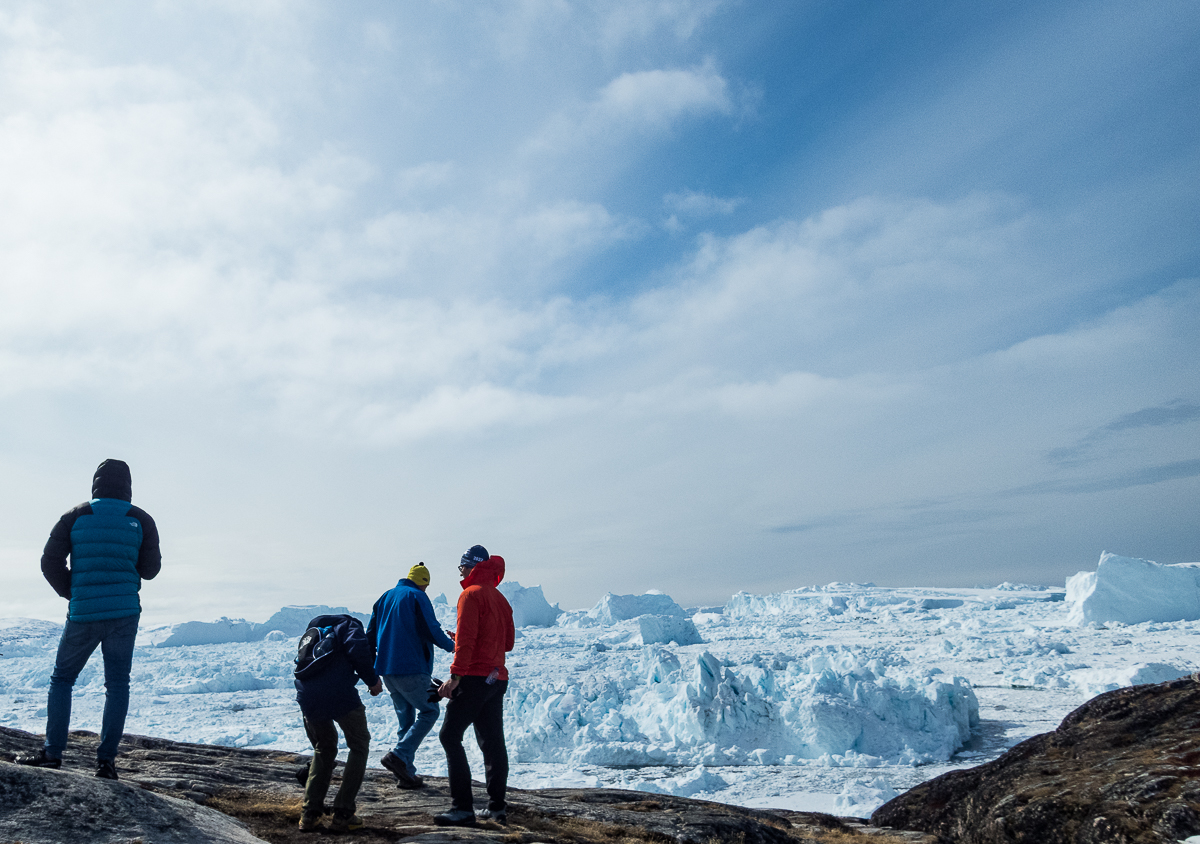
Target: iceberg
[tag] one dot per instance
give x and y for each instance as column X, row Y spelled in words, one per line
column 613, row 608
column 1131, row 591
column 530, row 607
column 291, row 621
column 833, row 708
column 665, row 629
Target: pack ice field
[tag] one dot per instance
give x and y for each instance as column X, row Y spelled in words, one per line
column 825, row 698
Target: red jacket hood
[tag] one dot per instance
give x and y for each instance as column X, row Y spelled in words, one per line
column 488, row 573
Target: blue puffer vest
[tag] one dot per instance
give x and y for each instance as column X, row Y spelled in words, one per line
column 104, row 555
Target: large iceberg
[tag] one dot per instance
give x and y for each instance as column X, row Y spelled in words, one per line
column 1131, row 591
column 836, row 599
column 530, row 607
column 289, row 622
column 806, row 601
column 836, row 707
column 664, row 629
column 613, row 608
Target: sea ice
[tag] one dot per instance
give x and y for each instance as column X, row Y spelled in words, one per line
column 788, row 701
column 1094, row 681
column 699, row 780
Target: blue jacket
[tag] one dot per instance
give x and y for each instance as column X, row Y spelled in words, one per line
column 404, row 629
column 112, row 545
column 332, row 693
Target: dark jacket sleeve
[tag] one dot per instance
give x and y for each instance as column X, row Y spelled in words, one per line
column 149, row 562
column 54, row 556
column 373, row 630
column 427, row 619
column 359, row 651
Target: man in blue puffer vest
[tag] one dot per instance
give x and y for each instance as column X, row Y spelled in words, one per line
column 404, row 630
column 113, row 546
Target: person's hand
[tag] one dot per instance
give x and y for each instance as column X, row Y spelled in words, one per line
column 450, row 633
column 447, row 688
column 377, row 688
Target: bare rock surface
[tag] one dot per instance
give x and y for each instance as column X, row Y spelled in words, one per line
column 39, row 806
column 259, row 788
column 1124, row 768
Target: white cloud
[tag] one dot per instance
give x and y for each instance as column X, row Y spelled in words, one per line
column 519, row 29
column 149, row 236
column 699, row 204
column 447, row 412
column 654, row 99
column 447, row 251
column 302, row 338
column 632, row 104
column 643, row 18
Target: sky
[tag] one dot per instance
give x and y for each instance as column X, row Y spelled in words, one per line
column 702, row 297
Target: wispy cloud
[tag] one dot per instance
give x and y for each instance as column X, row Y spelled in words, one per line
column 694, row 203
column 1144, row 476
column 1177, row 412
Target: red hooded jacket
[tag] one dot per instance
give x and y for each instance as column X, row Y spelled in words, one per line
column 485, row 623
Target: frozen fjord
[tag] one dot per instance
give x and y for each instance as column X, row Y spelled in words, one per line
column 827, row 698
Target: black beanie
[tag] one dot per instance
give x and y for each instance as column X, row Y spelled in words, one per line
column 475, row 555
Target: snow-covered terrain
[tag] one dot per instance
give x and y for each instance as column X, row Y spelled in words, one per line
column 830, row 698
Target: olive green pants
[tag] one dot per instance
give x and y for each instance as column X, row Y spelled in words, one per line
column 324, row 738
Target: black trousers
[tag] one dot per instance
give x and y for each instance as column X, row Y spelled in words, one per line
column 476, row 703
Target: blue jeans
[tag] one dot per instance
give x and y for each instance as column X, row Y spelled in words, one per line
column 79, row 640
column 415, row 714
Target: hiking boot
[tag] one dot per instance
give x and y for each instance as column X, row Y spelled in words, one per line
column 38, row 760
column 500, row 816
column 310, row 821
column 455, row 817
column 404, row 777
column 106, row 770
column 345, row 822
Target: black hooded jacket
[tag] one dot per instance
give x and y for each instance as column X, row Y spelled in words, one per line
column 331, row 694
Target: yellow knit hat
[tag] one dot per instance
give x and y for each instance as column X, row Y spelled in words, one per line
column 419, row 575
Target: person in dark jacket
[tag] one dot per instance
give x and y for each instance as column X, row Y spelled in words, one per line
column 478, row 681
column 113, row 546
column 404, row 630
column 329, row 698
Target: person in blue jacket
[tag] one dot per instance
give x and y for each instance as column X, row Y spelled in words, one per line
column 328, row 700
column 404, row 630
column 113, row 546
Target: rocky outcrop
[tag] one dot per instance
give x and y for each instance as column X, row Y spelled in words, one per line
column 46, row 807
column 259, row 788
column 1124, row 768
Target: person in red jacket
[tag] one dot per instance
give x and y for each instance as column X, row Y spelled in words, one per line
column 478, row 681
